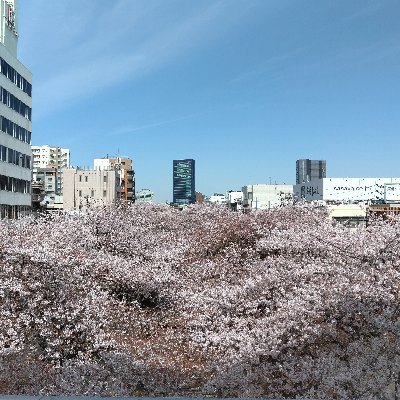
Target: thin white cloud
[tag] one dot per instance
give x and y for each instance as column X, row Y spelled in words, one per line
column 366, row 9
column 128, row 130
column 122, row 42
column 275, row 63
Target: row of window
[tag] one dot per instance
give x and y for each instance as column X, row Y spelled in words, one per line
column 15, row 185
column 86, row 178
column 92, row 193
column 8, row 71
column 15, row 130
column 14, row 103
column 14, row 157
column 13, row 212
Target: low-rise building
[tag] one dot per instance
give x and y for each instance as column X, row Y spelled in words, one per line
column 235, row 200
column 145, row 196
column 85, row 188
column 388, row 211
column 199, row 198
column 126, row 175
column 265, row 197
column 48, row 178
column 37, row 195
column 350, row 215
column 217, row 198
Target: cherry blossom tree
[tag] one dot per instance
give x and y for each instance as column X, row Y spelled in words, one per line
column 150, row 300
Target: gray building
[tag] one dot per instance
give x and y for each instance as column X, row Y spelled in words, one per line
column 15, row 119
column 309, row 170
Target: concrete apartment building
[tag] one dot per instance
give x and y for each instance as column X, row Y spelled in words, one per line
column 85, row 188
column 126, row 175
column 15, row 119
column 51, row 157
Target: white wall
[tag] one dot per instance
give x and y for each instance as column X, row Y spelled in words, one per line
column 345, row 189
column 235, row 197
column 102, row 163
column 264, row 196
column 218, row 199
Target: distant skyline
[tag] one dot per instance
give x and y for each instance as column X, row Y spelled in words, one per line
column 245, row 88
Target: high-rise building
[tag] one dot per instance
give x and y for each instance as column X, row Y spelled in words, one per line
column 184, row 182
column 126, row 175
column 55, row 157
column 15, row 119
column 309, row 170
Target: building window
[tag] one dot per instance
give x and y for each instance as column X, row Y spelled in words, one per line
column 8, row 71
column 104, row 193
column 92, row 193
column 15, row 130
column 80, row 178
column 15, row 185
column 80, row 193
column 86, row 178
column 15, row 104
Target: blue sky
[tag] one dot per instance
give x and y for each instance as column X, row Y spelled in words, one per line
column 244, row 87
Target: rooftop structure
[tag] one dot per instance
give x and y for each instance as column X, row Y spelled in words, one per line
column 309, row 170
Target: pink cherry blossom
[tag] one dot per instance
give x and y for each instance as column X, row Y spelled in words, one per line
column 150, row 300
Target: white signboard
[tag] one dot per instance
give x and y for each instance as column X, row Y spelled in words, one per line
column 350, row 190
column 392, row 193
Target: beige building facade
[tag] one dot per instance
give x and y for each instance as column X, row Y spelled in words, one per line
column 88, row 188
column 124, row 166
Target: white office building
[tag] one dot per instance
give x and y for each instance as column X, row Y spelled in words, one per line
column 55, row 157
column 15, row 119
column 218, row 198
column 350, row 190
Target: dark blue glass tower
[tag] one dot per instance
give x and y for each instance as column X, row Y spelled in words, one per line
column 183, row 182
